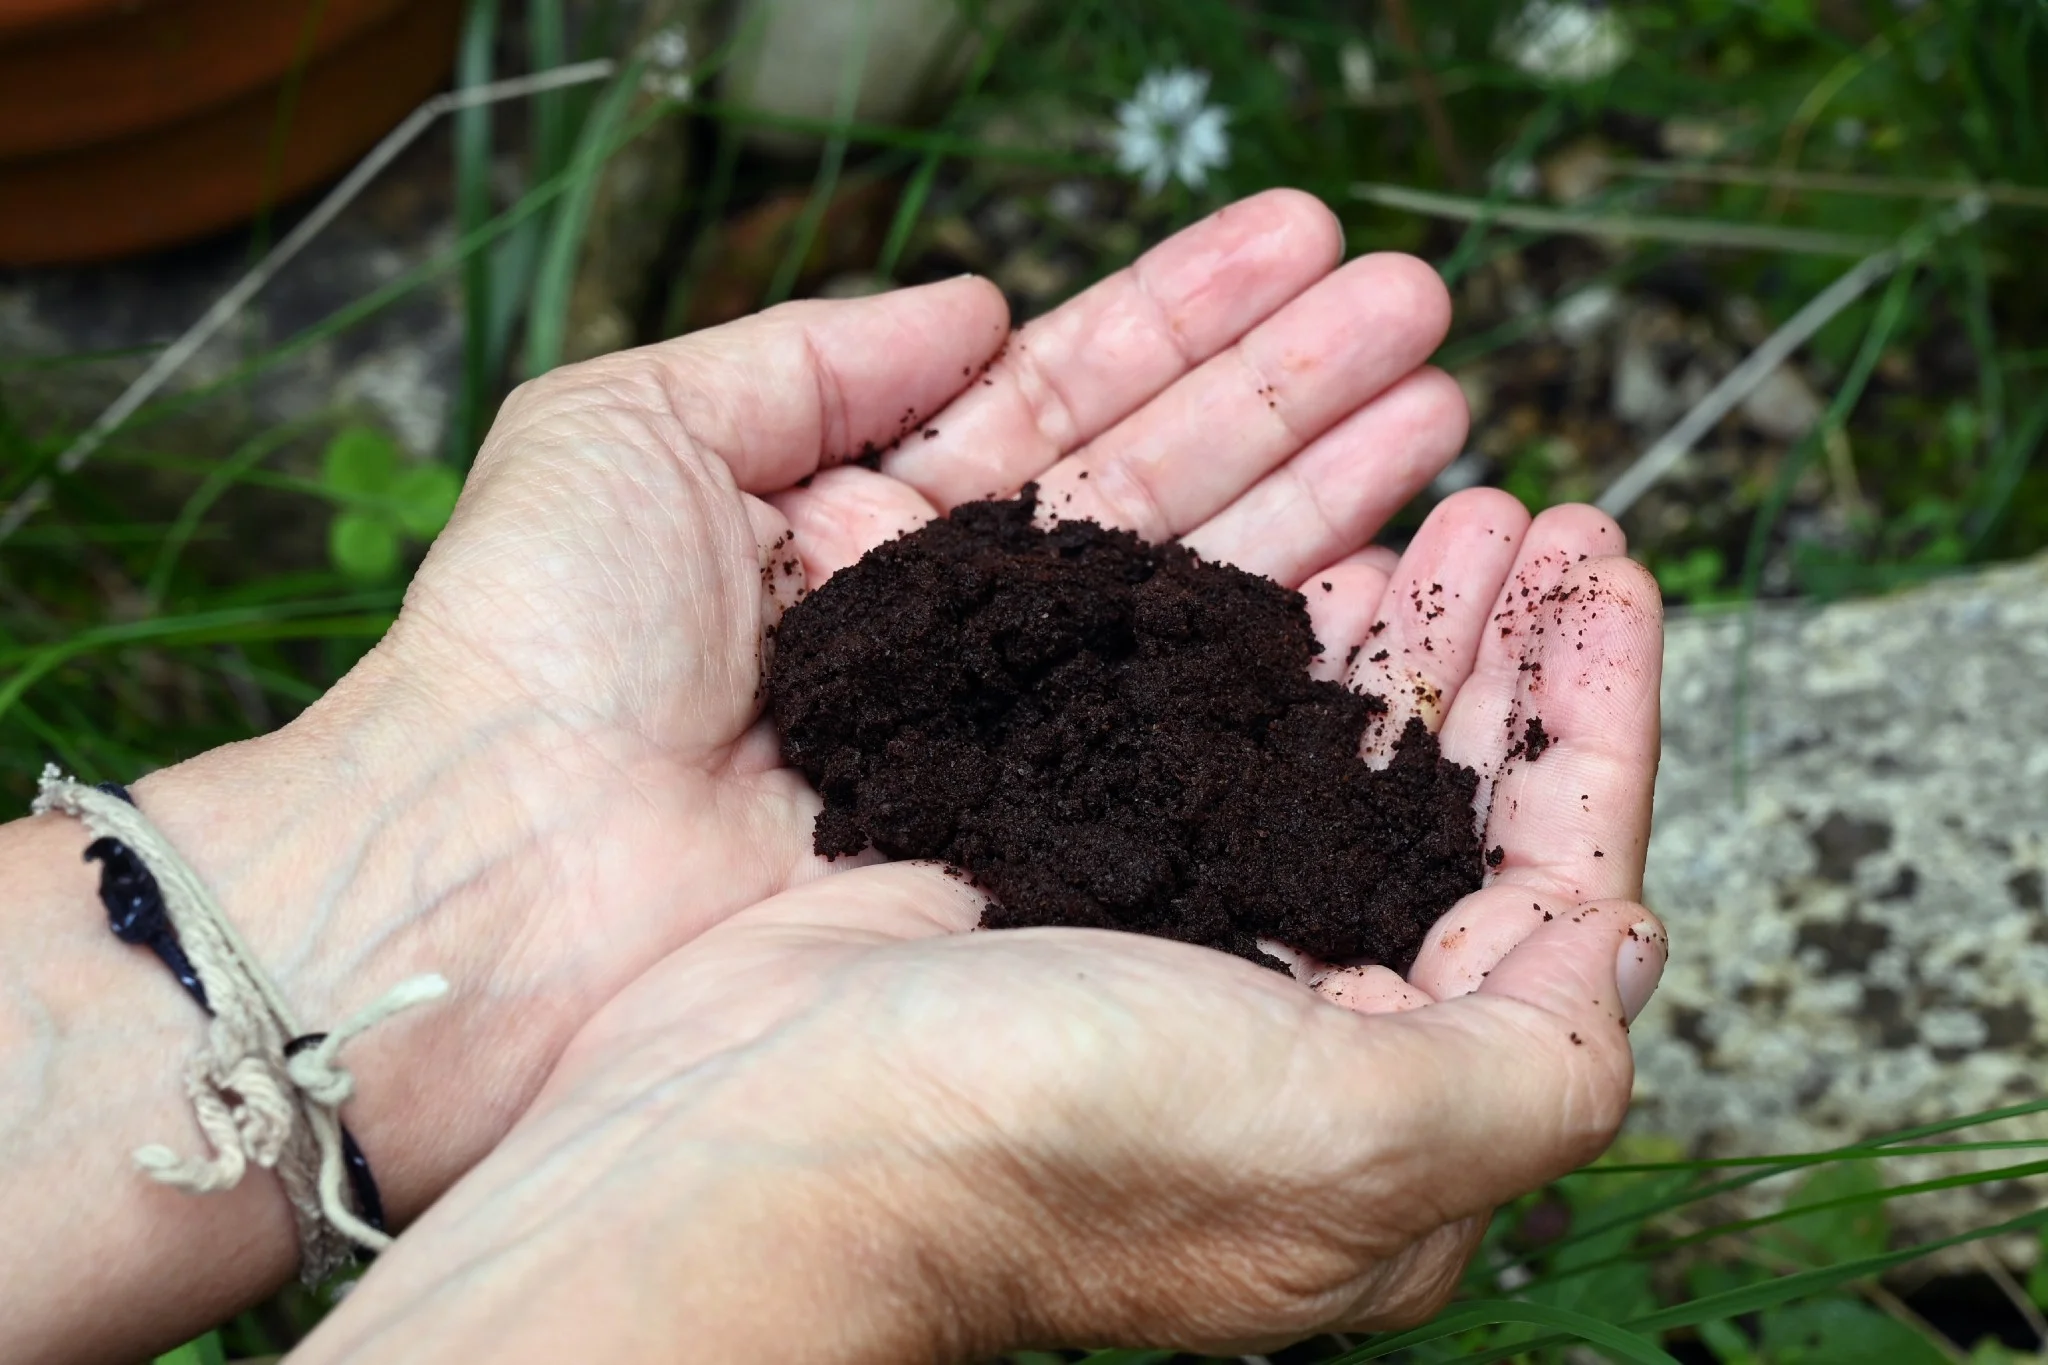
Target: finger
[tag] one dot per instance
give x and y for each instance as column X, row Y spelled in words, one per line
column 1069, row 376
column 1342, row 600
column 1193, row 450
column 1575, row 820
column 1473, row 938
column 1369, row 990
column 1420, row 648
column 1363, row 989
column 1338, row 492
column 1476, row 731
column 846, row 512
column 1559, row 964
column 776, row 395
column 1464, row 946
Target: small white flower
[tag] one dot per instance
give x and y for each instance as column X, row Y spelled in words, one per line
column 1359, row 71
column 1168, row 130
column 667, row 52
column 1517, row 178
column 668, row 49
column 1567, row 41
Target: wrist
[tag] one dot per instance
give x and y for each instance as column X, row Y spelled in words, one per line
column 376, row 838
column 352, row 850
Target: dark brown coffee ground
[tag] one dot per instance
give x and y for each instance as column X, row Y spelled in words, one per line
column 1108, row 733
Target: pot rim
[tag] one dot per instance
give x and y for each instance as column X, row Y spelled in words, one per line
column 29, row 16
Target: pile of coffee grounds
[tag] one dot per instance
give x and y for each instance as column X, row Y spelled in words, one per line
column 1102, row 732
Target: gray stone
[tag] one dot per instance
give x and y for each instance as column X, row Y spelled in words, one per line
column 1859, row 940
column 790, row 57
column 1784, row 406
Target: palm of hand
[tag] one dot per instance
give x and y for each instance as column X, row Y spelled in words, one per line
column 601, row 591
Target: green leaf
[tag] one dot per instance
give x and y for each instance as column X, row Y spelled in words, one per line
column 554, row 280
column 424, row 496
column 360, row 462
column 205, row 1350
column 1992, row 1351
column 1846, row 1233
column 1693, row 578
column 1727, row 1343
column 1836, row 1331
column 364, row 545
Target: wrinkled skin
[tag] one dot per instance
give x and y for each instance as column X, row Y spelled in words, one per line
column 1048, row 1135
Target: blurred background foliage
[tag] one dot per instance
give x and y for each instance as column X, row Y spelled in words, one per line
column 1785, row 138
column 1626, row 200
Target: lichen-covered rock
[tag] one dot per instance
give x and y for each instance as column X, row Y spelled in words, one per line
column 1859, row 938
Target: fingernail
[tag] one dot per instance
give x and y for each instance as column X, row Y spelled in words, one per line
column 1638, row 966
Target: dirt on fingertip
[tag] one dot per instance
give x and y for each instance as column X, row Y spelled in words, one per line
column 1107, row 733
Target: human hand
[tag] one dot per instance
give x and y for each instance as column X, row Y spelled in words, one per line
column 838, row 1127
column 553, row 771
column 836, row 1117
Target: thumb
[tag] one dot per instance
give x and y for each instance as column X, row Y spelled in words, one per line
column 1527, row 1078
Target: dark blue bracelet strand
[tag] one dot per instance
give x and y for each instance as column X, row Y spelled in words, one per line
column 135, row 912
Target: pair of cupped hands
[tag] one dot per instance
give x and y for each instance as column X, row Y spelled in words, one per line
column 700, row 1094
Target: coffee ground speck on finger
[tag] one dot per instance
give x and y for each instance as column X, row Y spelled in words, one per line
column 1106, row 733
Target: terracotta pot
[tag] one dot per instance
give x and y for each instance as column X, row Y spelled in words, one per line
column 127, row 125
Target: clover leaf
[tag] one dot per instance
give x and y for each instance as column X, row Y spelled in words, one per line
column 381, row 502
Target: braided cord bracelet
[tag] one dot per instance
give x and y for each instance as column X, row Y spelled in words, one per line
column 264, row 1091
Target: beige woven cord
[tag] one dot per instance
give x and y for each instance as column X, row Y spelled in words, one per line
column 255, row 1105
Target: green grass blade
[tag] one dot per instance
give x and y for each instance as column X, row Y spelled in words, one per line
column 1790, row 1213
column 1494, row 1312
column 710, row 213
column 282, row 621
column 206, row 1350
column 1534, row 134
column 533, row 202
column 474, row 64
column 829, row 163
column 1969, row 251
column 1759, row 1297
column 1793, row 1161
column 60, row 743
column 555, row 280
column 1717, row 1188
column 547, row 44
column 1807, row 1283
column 910, row 207
column 218, row 480
column 2009, row 463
